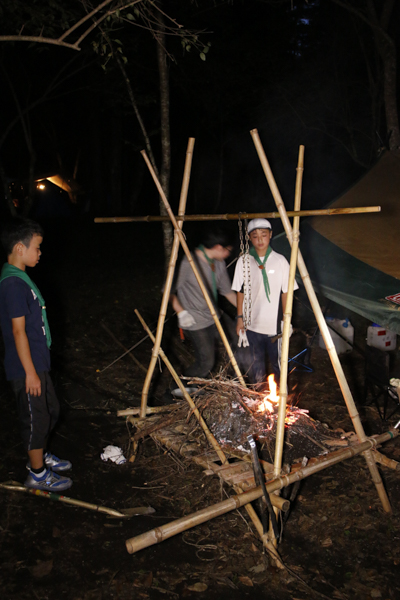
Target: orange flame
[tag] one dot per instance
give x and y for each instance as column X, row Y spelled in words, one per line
column 271, row 399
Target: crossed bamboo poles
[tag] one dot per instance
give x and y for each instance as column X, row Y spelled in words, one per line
column 296, row 260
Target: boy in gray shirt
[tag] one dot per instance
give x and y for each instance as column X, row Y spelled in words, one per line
column 194, row 316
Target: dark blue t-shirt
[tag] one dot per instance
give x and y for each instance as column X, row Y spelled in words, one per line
column 18, row 300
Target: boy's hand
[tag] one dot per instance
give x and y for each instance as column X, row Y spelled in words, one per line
column 33, row 385
column 239, row 325
column 185, row 319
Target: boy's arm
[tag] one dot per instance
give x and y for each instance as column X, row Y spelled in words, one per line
column 284, row 299
column 239, row 322
column 32, row 381
column 232, row 298
column 176, row 305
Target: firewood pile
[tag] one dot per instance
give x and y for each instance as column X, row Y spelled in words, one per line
column 233, row 412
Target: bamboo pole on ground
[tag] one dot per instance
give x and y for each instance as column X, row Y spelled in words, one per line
column 168, row 530
column 14, row 486
column 214, row 444
column 351, row 407
column 320, row 212
column 170, row 276
column 195, row 270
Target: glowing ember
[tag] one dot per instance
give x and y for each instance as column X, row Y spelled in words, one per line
column 272, row 399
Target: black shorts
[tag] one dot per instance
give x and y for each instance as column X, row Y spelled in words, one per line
column 37, row 414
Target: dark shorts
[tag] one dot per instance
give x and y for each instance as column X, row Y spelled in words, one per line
column 37, row 414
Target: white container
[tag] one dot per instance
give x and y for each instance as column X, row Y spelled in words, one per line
column 381, row 338
column 345, row 329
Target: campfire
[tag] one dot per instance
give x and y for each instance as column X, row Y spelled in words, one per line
column 233, row 412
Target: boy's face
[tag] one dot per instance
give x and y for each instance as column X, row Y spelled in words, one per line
column 260, row 238
column 30, row 255
column 220, row 252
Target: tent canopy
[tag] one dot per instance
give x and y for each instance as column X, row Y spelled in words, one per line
column 354, row 260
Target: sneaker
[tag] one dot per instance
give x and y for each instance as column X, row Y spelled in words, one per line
column 49, row 482
column 58, row 465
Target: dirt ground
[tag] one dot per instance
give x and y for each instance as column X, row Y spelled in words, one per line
column 337, row 543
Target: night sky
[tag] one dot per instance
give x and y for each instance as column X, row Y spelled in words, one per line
column 300, row 72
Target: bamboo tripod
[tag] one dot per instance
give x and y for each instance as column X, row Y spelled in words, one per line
column 365, row 444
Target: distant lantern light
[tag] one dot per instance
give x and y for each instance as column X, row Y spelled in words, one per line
column 41, row 186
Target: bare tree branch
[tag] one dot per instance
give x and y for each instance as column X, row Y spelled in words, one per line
column 60, row 41
column 84, row 19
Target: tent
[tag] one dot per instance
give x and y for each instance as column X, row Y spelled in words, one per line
column 354, row 260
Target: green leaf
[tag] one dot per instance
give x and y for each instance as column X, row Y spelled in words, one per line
column 202, row 56
column 188, row 48
column 206, row 49
column 130, row 17
column 137, row 12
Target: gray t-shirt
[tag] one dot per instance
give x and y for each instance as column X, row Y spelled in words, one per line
column 189, row 292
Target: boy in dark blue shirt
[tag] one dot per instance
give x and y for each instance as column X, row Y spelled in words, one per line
column 27, row 343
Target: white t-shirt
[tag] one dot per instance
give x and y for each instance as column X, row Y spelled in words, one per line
column 264, row 314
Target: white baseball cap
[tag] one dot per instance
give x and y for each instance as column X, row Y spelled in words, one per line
column 258, row 224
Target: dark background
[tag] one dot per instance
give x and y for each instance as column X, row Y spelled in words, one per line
column 300, row 72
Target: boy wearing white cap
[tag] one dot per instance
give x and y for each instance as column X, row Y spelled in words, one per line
column 261, row 282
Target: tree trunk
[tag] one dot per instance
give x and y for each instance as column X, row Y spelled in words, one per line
column 116, row 161
column 386, row 48
column 387, row 51
column 165, row 170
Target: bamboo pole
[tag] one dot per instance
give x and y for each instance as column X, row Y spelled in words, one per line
column 320, row 212
column 189, row 400
column 351, row 407
column 151, row 410
column 195, row 271
column 250, row 510
column 170, row 276
column 14, row 486
column 287, row 317
column 168, row 530
column 385, row 461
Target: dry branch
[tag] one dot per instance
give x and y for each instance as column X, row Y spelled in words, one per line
column 127, row 352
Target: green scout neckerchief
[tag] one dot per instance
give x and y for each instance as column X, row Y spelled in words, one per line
column 211, row 262
column 261, row 265
column 11, row 271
